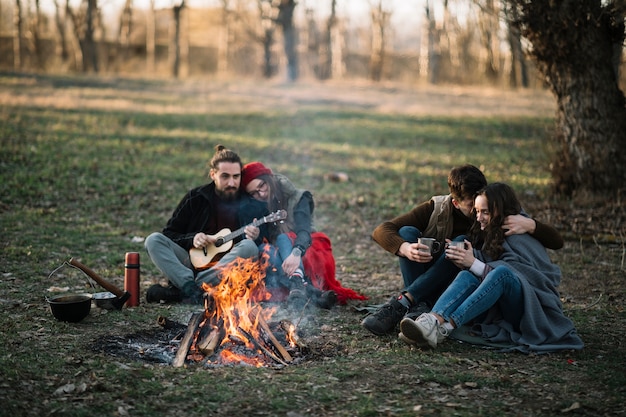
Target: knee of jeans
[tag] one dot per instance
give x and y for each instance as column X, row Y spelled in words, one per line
column 409, row 233
column 248, row 248
column 282, row 238
column 152, row 240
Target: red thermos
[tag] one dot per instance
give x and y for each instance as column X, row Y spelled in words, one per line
column 131, row 278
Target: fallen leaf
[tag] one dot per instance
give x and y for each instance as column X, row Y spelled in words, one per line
column 572, row 407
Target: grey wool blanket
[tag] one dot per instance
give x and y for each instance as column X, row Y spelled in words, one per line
column 544, row 327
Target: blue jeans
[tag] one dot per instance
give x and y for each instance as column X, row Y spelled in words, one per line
column 426, row 282
column 468, row 298
column 278, row 252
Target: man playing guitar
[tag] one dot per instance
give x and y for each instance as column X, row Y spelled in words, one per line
column 198, row 222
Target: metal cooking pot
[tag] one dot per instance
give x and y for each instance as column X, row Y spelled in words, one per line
column 105, row 300
column 70, row 307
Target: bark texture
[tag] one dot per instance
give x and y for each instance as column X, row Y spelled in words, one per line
column 574, row 43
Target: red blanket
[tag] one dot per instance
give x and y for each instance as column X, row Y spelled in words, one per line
column 319, row 266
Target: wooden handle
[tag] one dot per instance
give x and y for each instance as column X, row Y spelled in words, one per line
column 104, row 284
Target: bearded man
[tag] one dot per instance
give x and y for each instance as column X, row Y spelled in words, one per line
column 197, row 221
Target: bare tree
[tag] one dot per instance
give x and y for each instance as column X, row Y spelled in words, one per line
column 151, row 37
column 518, row 76
column 290, row 36
column 84, row 22
column 59, row 19
column 489, row 22
column 125, row 28
column 17, row 35
column 223, row 44
column 267, row 23
column 176, row 41
column 576, row 45
column 380, row 23
column 330, row 38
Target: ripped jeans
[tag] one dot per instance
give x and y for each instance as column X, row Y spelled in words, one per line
column 468, row 298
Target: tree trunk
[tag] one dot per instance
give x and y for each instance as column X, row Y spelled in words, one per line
column 17, row 36
column 223, row 44
column 574, row 44
column 151, row 38
column 125, row 29
column 380, row 20
column 285, row 19
column 89, row 52
column 518, row 76
column 60, row 24
column 326, row 65
column 176, row 48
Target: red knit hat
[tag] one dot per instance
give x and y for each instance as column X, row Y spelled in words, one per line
column 252, row 171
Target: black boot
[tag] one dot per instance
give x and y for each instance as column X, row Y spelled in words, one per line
column 322, row 299
column 158, row 293
column 298, row 294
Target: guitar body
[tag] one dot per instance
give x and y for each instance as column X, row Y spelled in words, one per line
column 204, row 258
column 207, row 257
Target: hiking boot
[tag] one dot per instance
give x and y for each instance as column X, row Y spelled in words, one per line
column 298, row 296
column 417, row 310
column 424, row 331
column 385, row 319
column 322, row 299
column 160, row 294
column 326, row 300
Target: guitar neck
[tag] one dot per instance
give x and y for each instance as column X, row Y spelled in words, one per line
column 232, row 235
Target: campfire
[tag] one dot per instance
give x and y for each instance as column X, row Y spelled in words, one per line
column 236, row 325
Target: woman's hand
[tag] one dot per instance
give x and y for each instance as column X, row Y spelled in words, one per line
column 291, row 264
column 461, row 256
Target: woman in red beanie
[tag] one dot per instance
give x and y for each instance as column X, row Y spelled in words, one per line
column 290, row 239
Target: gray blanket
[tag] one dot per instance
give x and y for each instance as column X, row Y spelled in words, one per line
column 544, row 327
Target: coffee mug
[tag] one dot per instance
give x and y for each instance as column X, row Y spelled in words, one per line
column 433, row 244
column 456, row 244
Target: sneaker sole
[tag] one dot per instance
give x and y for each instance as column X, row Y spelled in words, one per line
column 412, row 332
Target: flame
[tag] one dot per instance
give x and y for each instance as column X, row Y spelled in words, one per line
column 234, row 304
column 231, row 300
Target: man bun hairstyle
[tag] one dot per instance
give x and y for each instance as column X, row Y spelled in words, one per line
column 223, row 154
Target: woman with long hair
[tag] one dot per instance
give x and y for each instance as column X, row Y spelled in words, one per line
column 508, row 286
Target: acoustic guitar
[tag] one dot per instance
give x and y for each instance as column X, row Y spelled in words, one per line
column 203, row 258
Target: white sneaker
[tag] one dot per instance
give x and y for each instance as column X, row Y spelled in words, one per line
column 424, row 331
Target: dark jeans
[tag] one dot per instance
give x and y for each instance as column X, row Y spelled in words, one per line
column 426, row 282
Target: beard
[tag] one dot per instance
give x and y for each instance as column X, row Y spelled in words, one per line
column 228, row 194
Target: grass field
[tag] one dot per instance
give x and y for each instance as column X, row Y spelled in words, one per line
column 89, row 167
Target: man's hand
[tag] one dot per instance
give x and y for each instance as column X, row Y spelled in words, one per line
column 202, row 240
column 516, row 224
column 252, row 232
column 415, row 252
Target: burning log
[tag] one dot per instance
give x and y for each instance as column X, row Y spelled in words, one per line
column 268, row 332
column 261, row 347
column 292, row 334
column 187, row 340
column 210, row 338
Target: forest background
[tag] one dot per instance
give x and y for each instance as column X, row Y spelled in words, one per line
column 430, row 41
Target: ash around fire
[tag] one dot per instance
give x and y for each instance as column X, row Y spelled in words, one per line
column 161, row 345
column 156, row 345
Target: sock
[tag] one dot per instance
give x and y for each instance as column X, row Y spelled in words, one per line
column 402, row 299
column 297, row 274
column 448, row 326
